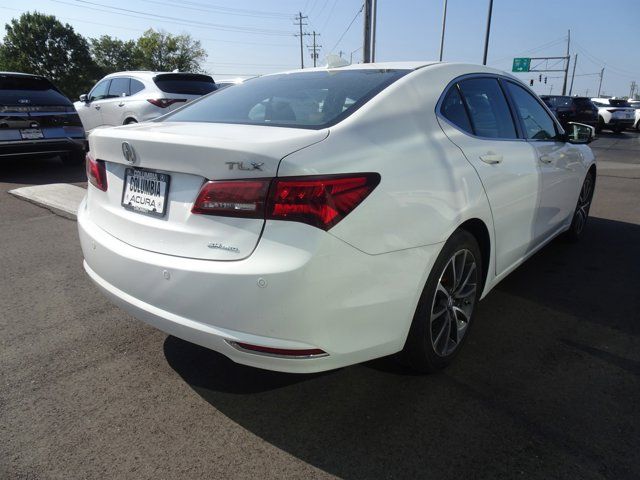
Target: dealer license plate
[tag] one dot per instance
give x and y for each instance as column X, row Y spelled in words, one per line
column 31, row 133
column 145, row 191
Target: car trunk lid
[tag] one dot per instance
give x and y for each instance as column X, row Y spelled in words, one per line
column 190, row 154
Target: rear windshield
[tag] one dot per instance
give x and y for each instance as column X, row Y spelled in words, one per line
column 185, row 84
column 19, row 82
column 583, row 101
column 300, row 100
column 618, row 103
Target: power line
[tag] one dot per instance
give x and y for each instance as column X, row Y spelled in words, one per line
column 534, row 49
column 348, row 28
column 221, row 10
column 326, row 22
column 152, row 16
column 598, row 61
column 215, row 40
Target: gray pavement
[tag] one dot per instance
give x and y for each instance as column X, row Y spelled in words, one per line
column 548, row 385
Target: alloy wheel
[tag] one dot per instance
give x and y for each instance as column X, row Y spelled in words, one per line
column 453, row 302
column 584, row 203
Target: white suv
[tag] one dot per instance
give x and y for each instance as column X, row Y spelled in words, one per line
column 614, row 114
column 132, row 97
column 636, row 104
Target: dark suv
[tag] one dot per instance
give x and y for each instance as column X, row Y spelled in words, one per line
column 572, row 109
column 36, row 119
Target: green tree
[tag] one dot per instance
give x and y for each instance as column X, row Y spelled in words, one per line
column 163, row 51
column 114, row 55
column 40, row 44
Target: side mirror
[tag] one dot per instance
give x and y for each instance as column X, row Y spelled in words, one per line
column 84, row 98
column 580, row 133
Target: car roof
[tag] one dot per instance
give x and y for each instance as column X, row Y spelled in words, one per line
column 406, row 65
column 20, row 74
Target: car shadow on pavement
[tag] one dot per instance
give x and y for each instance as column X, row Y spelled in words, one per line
column 546, row 386
column 40, row 171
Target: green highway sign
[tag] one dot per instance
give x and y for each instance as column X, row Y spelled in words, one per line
column 521, row 64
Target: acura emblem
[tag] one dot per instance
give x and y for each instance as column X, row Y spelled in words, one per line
column 24, row 100
column 128, row 152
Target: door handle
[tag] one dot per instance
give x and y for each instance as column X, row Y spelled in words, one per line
column 491, row 158
column 97, row 107
column 546, row 159
column 121, row 104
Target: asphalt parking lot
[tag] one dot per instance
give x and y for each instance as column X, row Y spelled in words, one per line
column 548, row 385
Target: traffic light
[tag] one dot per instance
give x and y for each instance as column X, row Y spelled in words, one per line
column 540, row 78
column 531, row 82
column 545, row 80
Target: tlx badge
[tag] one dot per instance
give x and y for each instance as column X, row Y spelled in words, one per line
column 243, row 166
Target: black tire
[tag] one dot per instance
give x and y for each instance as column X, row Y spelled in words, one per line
column 423, row 352
column 600, row 125
column 73, row 159
column 581, row 213
column 617, row 129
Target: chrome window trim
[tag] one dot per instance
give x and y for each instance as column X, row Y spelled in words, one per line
column 467, row 76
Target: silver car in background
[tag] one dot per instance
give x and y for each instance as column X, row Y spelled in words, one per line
column 131, row 97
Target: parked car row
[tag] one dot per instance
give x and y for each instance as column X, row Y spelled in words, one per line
column 602, row 113
column 36, row 119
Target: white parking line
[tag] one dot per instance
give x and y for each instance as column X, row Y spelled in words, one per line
column 60, row 197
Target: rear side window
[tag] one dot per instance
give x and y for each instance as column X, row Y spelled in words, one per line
column 185, row 84
column 618, row 103
column 582, row 102
column 538, row 124
column 119, row 87
column 488, row 108
column 300, row 100
column 453, row 110
column 136, row 86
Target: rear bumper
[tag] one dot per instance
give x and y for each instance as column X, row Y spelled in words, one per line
column 622, row 122
column 319, row 294
column 20, row 148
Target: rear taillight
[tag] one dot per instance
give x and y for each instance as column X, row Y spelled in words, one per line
column 165, row 102
column 96, row 172
column 235, row 198
column 320, row 201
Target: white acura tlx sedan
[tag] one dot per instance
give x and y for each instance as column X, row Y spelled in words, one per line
column 313, row 219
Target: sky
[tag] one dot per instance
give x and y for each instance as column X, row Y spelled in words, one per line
column 250, row 37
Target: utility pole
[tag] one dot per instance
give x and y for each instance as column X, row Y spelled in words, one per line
column 573, row 75
column 315, row 48
column 486, row 37
column 300, row 23
column 633, row 89
column 374, row 18
column 366, row 45
column 444, row 23
column 600, row 84
column 550, row 89
column 566, row 65
column 340, row 53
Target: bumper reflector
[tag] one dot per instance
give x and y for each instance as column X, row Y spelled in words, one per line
column 279, row 352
